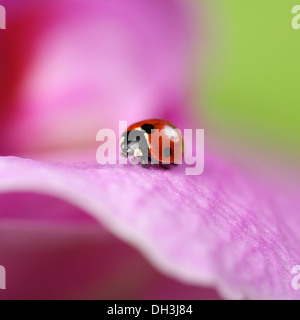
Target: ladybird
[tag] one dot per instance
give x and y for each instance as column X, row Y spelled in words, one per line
column 157, row 141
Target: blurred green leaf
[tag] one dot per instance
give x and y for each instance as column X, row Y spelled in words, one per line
column 253, row 88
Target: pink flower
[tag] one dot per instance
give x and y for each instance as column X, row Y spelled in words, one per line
column 82, row 230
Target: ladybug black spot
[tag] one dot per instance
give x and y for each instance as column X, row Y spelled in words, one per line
column 147, row 127
column 168, row 152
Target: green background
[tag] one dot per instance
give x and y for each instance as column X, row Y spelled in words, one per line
column 251, row 81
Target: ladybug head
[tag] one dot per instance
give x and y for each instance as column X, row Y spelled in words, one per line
column 134, row 143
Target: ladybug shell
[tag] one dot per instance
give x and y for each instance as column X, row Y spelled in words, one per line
column 162, row 148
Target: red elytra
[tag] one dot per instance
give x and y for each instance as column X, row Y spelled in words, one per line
column 162, row 139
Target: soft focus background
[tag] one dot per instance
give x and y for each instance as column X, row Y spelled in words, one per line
column 245, row 85
column 70, row 68
column 252, row 81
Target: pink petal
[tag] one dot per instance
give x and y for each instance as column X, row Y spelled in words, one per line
column 53, row 250
column 218, row 229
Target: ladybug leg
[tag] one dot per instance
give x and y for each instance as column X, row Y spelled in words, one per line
column 164, row 167
column 158, row 164
column 143, row 162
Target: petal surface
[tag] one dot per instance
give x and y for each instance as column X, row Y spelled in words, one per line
column 219, row 229
column 53, row 250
